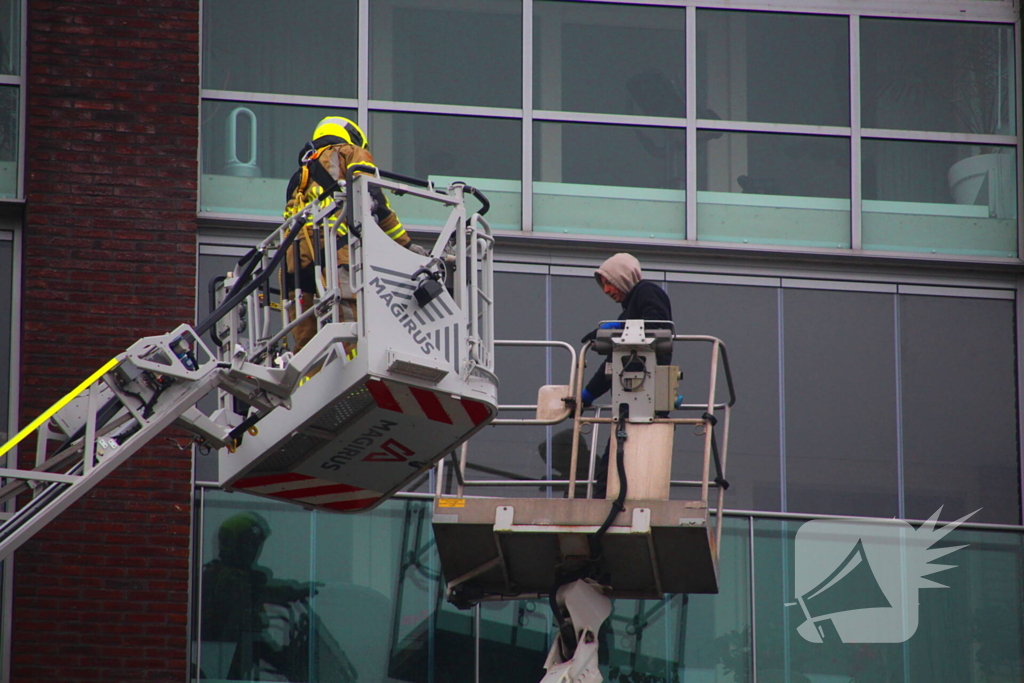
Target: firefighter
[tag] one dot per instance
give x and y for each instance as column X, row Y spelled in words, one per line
column 621, row 278
column 338, row 145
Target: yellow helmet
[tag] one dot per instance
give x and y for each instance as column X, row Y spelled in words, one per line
column 341, row 127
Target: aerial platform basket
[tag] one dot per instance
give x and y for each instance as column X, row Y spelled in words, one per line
column 361, row 426
column 511, row 548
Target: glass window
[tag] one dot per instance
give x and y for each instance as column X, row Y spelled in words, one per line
column 10, row 37
column 485, row 152
column 6, row 301
column 782, row 653
column 757, row 188
column 746, row 319
column 255, row 46
column 610, row 180
column 624, row 59
column 969, row 632
column 934, row 75
column 972, row 630
column 250, row 151
column 447, row 52
column 840, row 394
column 9, row 141
column 773, row 67
column 939, row 198
column 957, row 369
column 681, row 638
column 257, row 603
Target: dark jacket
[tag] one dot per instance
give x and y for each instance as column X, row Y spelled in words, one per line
column 646, row 301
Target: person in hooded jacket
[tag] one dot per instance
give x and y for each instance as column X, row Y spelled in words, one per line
column 622, row 279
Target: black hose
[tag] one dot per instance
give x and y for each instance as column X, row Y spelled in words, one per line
column 720, row 475
column 239, row 292
column 620, row 465
column 211, row 291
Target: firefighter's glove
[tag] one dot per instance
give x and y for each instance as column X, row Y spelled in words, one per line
column 587, row 398
column 417, row 249
column 589, row 336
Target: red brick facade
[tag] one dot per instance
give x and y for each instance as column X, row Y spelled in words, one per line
column 110, row 232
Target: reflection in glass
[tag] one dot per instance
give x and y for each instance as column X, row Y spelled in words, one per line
column 447, row 52
column 637, row 55
column 254, row 46
column 934, row 75
column 939, row 197
column 238, row 177
column 256, row 620
column 612, row 180
column 773, row 67
column 484, row 152
column 9, row 141
column 773, row 189
column 10, row 37
column 969, row 632
column 782, row 653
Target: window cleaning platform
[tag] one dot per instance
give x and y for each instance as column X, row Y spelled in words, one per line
column 509, row 548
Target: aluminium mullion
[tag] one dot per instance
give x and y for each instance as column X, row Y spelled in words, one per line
column 22, row 101
column 444, row 109
column 691, row 126
column 526, row 140
column 363, row 69
column 921, row 9
column 939, row 136
column 856, row 158
column 275, row 98
column 753, row 602
column 1019, row 66
column 614, row 119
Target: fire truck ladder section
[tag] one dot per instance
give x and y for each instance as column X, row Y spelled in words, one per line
column 361, row 410
column 636, row 543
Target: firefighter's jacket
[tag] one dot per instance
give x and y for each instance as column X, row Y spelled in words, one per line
column 303, row 189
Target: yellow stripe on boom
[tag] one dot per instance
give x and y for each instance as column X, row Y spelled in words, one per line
column 52, row 410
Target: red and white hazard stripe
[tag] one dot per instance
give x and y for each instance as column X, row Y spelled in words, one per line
column 435, row 406
column 300, row 488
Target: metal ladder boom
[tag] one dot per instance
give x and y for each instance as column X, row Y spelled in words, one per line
column 100, row 424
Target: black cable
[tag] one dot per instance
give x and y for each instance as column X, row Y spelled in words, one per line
column 239, row 292
column 620, row 465
column 566, row 629
column 212, row 296
column 720, row 476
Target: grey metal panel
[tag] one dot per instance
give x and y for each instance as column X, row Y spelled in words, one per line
column 746, row 320
column 839, row 285
column 840, row 403
column 536, row 269
column 959, row 408
column 520, row 305
column 960, row 292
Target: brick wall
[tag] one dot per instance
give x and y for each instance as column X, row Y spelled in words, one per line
column 112, row 133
